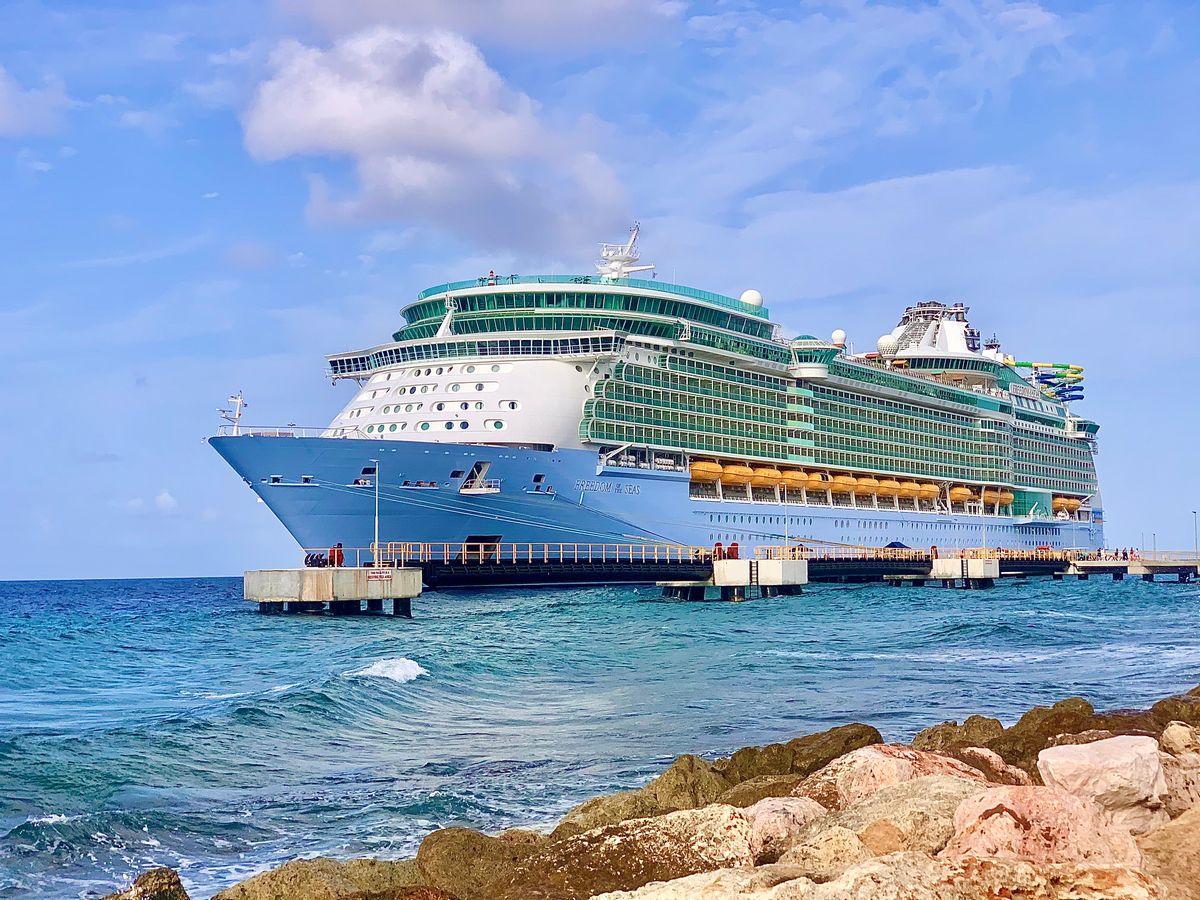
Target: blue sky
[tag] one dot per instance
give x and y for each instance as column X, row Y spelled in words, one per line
column 197, row 198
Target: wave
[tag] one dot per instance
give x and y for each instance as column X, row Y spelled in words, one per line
column 401, row 669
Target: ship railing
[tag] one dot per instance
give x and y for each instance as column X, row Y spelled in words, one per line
column 287, row 431
column 1169, row 555
column 803, row 551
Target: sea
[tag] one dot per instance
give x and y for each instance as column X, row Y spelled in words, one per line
column 167, row 722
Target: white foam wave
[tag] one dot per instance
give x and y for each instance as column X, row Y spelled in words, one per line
column 401, row 669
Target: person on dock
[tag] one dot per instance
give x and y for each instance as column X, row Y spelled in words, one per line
column 336, row 556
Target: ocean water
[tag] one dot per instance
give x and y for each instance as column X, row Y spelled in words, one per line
column 167, row 722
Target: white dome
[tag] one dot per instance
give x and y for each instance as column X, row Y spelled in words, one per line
column 839, row 337
column 887, row 345
column 752, row 297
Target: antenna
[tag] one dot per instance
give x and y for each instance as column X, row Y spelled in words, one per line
column 619, row 260
column 234, row 416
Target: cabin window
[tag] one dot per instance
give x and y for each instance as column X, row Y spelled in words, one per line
column 368, row 470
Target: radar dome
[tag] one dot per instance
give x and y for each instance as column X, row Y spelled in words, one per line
column 839, row 338
column 887, row 345
column 752, row 298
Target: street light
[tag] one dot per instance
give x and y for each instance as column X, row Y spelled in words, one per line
column 1154, row 536
column 1195, row 536
column 375, row 545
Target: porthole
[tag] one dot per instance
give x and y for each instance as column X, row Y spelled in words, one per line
column 449, row 425
column 386, row 410
column 479, row 387
column 510, row 404
column 438, row 370
column 428, row 371
column 424, row 426
column 495, row 368
column 424, row 389
column 439, row 406
column 479, row 404
column 370, row 429
column 403, row 425
column 392, row 427
column 469, row 369
column 454, row 388
column 579, row 368
column 462, row 424
column 412, row 389
column 464, row 405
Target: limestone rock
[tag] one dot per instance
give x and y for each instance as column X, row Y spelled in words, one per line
column 1020, row 745
column 466, row 863
column 723, row 884
column 1084, row 737
column 1185, row 708
column 826, row 853
column 1173, row 855
column 862, row 772
column 777, row 821
column 1182, row 775
column 800, row 756
column 1122, row 774
column 1179, row 738
column 749, row 792
column 628, row 855
column 1041, row 825
column 520, row 836
column 917, row 876
column 327, row 879
column 994, row 769
column 688, row 783
column 912, row 815
column 974, row 731
column 155, row 884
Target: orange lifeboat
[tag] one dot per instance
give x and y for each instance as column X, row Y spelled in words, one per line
column 910, row 490
column 991, row 498
column 766, row 477
column 794, row 479
column 736, row 475
column 866, row 486
column 1059, row 504
column 818, row 481
column 844, row 484
column 960, row 494
column 1007, row 498
column 889, row 487
column 930, row 491
column 705, row 471
column 1073, row 504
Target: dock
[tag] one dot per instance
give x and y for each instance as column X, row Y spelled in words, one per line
column 396, row 573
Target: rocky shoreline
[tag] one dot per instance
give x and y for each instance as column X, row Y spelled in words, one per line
column 1066, row 804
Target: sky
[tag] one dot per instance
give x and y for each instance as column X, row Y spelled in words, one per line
column 199, row 198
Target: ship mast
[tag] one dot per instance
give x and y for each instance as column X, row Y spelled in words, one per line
column 619, row 260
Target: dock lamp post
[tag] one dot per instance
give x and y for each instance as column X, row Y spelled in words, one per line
column 375, row 545
column 1195, row 536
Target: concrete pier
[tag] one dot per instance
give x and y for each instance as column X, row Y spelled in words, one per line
column 340, row 591
column 734, row 580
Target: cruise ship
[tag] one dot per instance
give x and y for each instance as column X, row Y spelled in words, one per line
column 616, row 408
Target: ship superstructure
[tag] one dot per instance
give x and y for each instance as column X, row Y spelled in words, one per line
column 615, row 408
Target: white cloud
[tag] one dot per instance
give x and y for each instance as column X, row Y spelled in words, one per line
column 32, row 111
column 210, row 195
column 552, row 26
column 153, row 123
column 165, row 502
column 436, row 136
column 30, row 163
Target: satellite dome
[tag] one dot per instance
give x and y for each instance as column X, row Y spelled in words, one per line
column 887, row 345
column 752, row 298
column 839, row 338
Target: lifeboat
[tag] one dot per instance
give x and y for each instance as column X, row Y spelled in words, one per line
column 866, row 486
column 1007, row 498
column 991, row 498
column 930, row 491
column 736, row 475
column 1073, row 504
column 960, row 494
column 1059, row 504
column 910, row 490
column 889, row 487
column 794, row 479
column 818, row 481
column 844, row 484
column 705, row 471
column 766, row 477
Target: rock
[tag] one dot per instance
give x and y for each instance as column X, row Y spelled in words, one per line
column 628, row 855
column 1020, row 744
column 994, row 769
column 752, row 790
column 1122, row 774
column 917, row 876
column 1185, row 708
column 328, row 879
column 1041, row 825
column 777, row 821
column 1182, row 775
column 1172, row 855
column 724, row 883
column 912, row 815
column 862, row 772
column 155, row 884
column 827, row 853
column 688, row 783
column 520, row 836
column 976, row 730
column 800, row 756
column 1179, row 738
column 466, row 863
column 1084, row 737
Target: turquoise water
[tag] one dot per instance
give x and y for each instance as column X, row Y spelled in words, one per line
column 166, row 722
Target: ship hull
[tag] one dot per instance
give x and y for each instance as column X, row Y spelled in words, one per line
column 309, row 484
